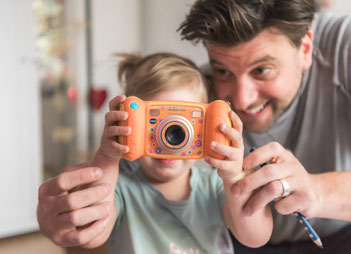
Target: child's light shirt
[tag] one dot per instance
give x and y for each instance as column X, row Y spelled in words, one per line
column 149, row 223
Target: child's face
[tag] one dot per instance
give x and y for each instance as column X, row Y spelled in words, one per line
column 159, row 170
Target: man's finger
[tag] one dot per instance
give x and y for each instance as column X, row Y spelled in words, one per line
column 272, row 152
column 69, row 180
column 85, row 215
column 262, row 197
column 261, row 177
column 83, row 198
column 84, row 235
column 75, row 167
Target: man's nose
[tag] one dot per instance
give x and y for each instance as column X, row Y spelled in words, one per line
column 244, row 94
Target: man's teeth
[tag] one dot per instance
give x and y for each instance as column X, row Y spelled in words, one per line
column 256, row 109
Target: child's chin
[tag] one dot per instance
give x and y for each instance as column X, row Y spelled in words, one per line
column 167, row 162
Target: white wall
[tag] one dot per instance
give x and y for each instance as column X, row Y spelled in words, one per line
column 116, row 28
column 20, row 130
column 161, row 19
column 341, row 6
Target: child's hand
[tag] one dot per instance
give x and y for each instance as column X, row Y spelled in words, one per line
column 109, row 146
column 230, row 169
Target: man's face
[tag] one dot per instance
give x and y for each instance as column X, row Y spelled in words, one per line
column 260, row 77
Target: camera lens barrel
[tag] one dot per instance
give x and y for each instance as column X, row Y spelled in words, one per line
column 174, row 134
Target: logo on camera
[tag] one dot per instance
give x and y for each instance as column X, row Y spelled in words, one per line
column 173, row 129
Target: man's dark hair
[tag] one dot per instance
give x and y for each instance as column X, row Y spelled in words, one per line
column 230, row 22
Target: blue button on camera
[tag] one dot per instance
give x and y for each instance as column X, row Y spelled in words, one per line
column 134, row 105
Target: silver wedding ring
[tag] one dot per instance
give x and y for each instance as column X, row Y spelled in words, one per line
column 286, row 187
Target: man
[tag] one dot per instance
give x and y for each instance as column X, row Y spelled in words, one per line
column 289, row 80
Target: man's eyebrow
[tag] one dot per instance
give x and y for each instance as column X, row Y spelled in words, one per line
column 263, row 59
column 260, row 60
column 213, row 61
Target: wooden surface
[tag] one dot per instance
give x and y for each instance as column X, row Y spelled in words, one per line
column 36, row 243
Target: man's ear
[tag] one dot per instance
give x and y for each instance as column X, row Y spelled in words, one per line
column 306, row 49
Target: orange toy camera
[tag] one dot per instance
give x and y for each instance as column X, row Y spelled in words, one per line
column 173, row 129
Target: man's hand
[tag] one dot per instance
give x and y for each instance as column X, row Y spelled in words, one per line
column 304, row 190
column 70, row 214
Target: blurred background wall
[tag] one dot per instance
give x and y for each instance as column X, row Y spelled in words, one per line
column 58, row 74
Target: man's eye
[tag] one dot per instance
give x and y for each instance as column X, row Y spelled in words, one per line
column 262, row 71
column 222, row 72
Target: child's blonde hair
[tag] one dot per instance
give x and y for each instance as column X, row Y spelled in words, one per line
column 146, row 76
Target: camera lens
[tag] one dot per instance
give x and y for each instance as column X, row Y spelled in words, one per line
column 175, row 135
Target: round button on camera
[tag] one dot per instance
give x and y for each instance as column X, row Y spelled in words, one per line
column 134, row 105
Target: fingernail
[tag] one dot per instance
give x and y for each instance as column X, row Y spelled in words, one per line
column 236, row 189
column 97, row 173
column 223, row 126
column 213, row 144
column 127, row 130
column 206, row 158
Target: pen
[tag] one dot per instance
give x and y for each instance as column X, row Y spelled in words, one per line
column 306, row 225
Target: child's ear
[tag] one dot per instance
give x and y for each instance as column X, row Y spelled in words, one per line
column 306, row 49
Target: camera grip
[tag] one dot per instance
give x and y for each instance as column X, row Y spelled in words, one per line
column 216, row 114
column 136, row 109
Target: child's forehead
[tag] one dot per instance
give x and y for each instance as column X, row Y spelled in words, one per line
column 184, row 93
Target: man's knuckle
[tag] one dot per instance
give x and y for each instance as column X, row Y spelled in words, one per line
column 273, row 187
column 270, row 171
column 244, row 183
column 80, row 238
column 56, row 238
column 70, row 202
column 42, row 192
column 62, row 182
column 275, row 146
column 107, row 117
column 73, row 218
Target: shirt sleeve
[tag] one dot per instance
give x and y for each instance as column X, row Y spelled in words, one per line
column 333, row 40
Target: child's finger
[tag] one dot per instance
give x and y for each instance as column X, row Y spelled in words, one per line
column 231, row 153
column 113, row 131
column 225, row 168
column 222, row 164
column 118, row 147
column 112, row 117
column 237, row 123
column 233, row 134
column 114, row 103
